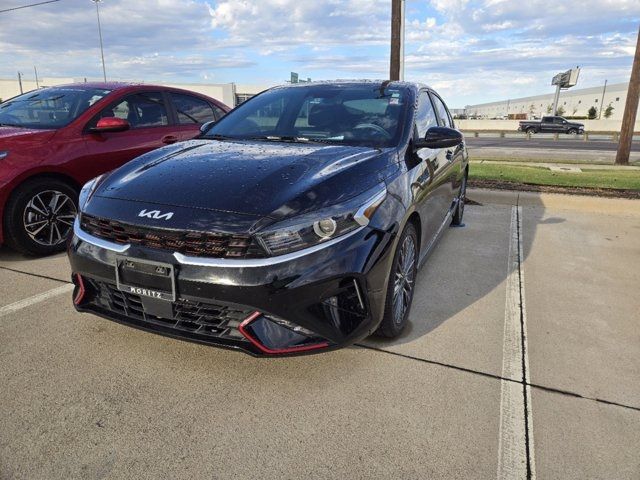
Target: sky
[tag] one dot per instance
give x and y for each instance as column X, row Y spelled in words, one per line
column 471, row 51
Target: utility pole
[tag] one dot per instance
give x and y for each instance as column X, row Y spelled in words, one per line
column 556, row 98
column 396, row 70
column 20, row 82
column 104, row 71
column 36, row 72
column 630, row 110
column 604, row 89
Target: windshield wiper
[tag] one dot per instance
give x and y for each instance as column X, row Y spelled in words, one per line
column 285, row 138
column 217, row 136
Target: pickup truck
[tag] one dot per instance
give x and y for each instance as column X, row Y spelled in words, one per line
column 552, row 125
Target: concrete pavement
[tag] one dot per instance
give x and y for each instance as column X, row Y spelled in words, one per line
column 83, row 397
column 543, row 148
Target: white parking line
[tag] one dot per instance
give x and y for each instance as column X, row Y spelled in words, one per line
column 516, row 435
column 41, row 297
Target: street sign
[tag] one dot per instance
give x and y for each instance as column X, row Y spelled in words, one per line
column 566, row 79
column 562, row 80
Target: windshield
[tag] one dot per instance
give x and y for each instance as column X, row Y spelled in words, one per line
column 366, row 115
column 50, row 107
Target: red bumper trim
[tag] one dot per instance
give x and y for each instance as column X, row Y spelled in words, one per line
column 270, row 351
column 81, row 291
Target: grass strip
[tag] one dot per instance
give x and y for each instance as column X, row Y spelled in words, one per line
column 607, row 179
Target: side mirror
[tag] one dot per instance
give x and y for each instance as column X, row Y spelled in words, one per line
column 440, row 137
column 206, row 126
column 110, row 124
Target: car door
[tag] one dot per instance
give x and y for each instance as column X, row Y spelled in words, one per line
column 547, row 125
column 150, row 128
column 561, row 124
column 191, row 112
column 428, row 182
column 451, row 158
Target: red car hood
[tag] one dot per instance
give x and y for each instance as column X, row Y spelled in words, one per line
column 11, row 134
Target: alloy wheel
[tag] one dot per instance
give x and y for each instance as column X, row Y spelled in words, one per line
column 48, row 217
column 404, row 279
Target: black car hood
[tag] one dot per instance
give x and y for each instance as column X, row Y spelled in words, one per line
column 249, row 179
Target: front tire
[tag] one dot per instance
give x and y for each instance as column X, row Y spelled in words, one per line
column 462, row 196
column 573, row 132
column 39, row 216
column 402, row 279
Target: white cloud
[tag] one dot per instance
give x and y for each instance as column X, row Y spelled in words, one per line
column 472, row 49
column 290, row 23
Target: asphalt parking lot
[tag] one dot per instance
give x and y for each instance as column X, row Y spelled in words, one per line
column 522, row 360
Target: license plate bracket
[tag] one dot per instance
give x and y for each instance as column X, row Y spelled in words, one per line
column 146, row 278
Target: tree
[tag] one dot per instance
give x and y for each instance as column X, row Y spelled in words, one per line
column 560, row 110
column 532, row 109
column 549, row 108
column 608, row 111
column 574, row 110
column 592, row 113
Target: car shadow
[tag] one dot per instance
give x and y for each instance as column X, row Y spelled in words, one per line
column 468, row 265
column 52, row 266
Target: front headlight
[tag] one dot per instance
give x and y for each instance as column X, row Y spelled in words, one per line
column 88, row 189
column 314, row 228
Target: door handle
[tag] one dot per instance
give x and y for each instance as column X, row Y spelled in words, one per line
column 169, row 139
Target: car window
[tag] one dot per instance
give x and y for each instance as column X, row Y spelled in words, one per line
column 444, row 119
column 425, row 115
column 547, row 119
column 191, row 109
column 218, row 112
column 52, row 107
column 558, row 120
column 140, row 110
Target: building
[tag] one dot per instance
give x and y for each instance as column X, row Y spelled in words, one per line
column 231, row 94
column 573, row 102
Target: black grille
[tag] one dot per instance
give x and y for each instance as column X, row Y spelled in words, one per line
column 198, row 244
column 200, row 318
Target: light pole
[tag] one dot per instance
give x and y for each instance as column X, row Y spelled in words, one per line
column 602, row 101
column 104, row 71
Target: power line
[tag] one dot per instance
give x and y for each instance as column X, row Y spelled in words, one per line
column 27, row 6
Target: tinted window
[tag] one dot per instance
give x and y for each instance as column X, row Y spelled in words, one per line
column 191, row 109
column 49, row 107
column 426, row 115
column 140, row 110
column 218, row 112
column 350, row 114
column 443, row 114
column 547, row 119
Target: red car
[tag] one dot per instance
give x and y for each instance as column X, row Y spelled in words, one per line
column 55, row 139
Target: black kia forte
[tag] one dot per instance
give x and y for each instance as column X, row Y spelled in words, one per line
column 294, row 224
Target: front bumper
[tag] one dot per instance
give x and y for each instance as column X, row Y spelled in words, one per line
column 334, row 295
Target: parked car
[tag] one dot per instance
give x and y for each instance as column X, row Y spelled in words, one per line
column 552, row 125
column 54, row 139
column 295, row 224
